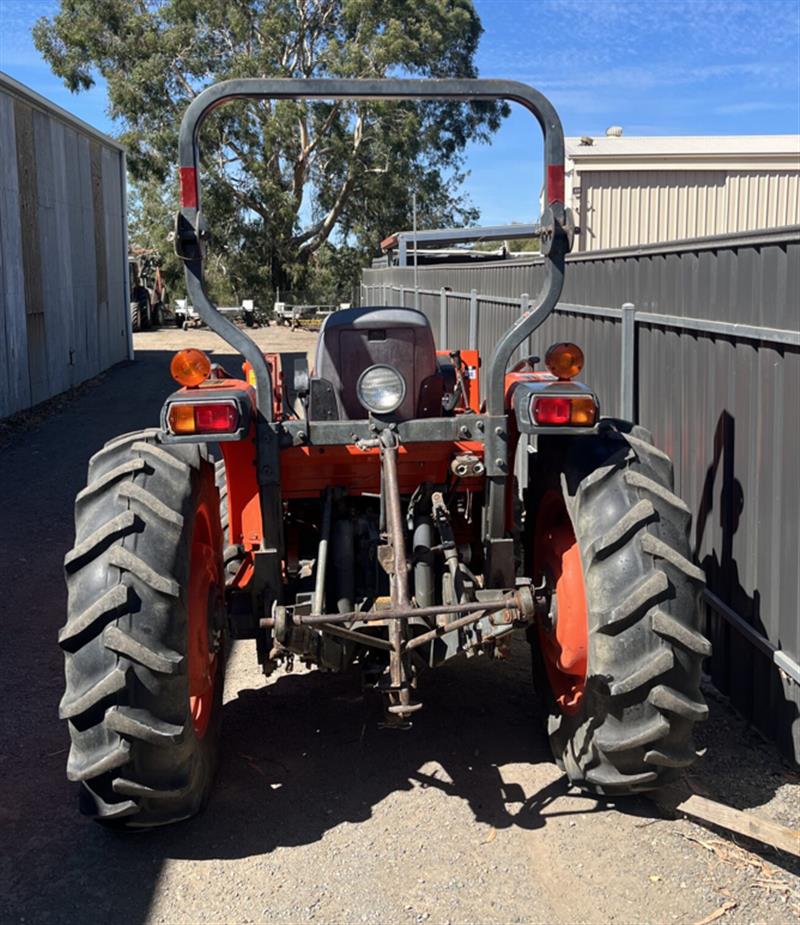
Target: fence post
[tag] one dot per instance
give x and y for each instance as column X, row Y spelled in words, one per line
column 443, row 319
column 403, row 296
column 473, row 319
column 627, row 372
column 524, row 306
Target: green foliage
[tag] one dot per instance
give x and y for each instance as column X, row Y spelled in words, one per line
column 282, row 181
column 526, row 245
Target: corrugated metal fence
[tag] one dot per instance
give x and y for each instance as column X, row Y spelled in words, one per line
column 712, row 368
column 63, row 250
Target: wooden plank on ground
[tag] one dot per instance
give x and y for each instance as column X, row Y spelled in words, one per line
column 736, row 820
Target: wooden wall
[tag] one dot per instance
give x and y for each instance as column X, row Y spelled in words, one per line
column 63, row 302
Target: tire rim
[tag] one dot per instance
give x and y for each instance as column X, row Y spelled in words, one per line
column 564, row 633
column 204, row 585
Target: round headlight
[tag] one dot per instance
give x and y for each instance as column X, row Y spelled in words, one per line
column 381, row 389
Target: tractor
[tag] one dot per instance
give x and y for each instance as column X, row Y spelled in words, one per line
column 394, row 507
column 148, row 294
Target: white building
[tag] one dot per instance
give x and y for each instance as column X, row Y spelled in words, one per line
column 642, row 190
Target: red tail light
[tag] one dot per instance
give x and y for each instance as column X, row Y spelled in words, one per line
column 552, row 411
column 216, row 419
column 203, row 418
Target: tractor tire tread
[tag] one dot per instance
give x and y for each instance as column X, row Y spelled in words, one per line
column 233, row 553
column 118, row 472
column 638, row 480
column 608, row 780
column 648, row 592
column 126, row 697
column 127, row 561
column 162, row 660
column 80, row 767
column 665, row 758
column 669, row 700
column 622, row 739
column 632, row 729
column 101, row 537
column 135, row 492
column 631, row 522
column 652, row 668
column 669, row 628
column 103, row 609
column 142, row 724
column 111, row 683
column 111, row 449
column 661, row 550
column 132, row 788
column 160, row 455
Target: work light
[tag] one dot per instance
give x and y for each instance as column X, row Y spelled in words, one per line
column 381, row 389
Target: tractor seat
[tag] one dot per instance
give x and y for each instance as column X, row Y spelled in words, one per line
column 353, row 339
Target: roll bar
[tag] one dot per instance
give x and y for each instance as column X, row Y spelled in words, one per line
column 190, row 232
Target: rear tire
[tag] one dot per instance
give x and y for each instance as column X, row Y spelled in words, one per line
column 632, row 726
column 136, row 321
column 143, row 752
column 233, row 554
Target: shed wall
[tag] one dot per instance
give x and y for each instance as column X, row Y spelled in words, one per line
column 621, row 208
column 64, row 313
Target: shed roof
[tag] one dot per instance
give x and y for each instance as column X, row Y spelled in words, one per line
column 640, row 146
column 14, row 87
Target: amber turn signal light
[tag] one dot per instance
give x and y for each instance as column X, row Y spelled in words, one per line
column 564, row 360
column 190, row 367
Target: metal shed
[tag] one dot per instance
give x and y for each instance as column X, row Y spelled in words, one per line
column 64, row 313
column 629, row 191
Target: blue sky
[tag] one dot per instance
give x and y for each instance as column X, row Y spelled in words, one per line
column 658, row 67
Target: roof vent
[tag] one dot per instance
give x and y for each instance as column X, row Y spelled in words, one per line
column 587, row 140
column 614, row 131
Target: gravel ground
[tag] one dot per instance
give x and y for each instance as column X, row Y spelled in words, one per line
column 319, row 814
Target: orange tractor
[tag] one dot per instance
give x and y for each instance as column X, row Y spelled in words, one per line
column 374, row 514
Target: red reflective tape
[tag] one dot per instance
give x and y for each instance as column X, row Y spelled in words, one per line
column 555, row 183
column 188, row 187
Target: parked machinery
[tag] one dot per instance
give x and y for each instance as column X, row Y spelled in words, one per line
column 372, row 514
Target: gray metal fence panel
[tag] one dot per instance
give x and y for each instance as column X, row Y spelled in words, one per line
column 717, row 381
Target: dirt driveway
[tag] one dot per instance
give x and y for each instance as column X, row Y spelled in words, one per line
column 319, row 815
